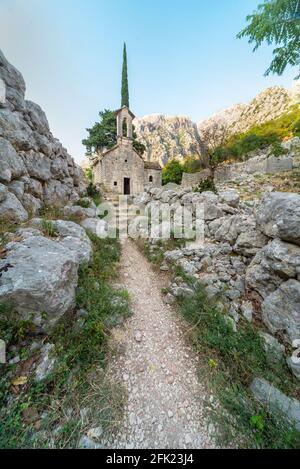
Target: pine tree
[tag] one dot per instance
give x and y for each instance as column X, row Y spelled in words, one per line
column 125, row 92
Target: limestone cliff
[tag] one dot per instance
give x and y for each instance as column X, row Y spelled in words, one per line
column 267, row 105
column 35, row 169
column 168, row 137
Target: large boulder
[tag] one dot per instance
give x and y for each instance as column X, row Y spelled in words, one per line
column 79, row 212
column 38, row 279
column 95, row 226
column 12, row 210
column 229, row 228
column 70, row 235
column 37, row 118
column 276, row 401
column 278, row 215
column 281, row 310
column 38, row 165
column 3, row 192
column 15, row 84
column 229, row 197
column 11, row 165
column 276, row 262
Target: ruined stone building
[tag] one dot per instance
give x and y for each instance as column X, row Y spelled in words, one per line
column 121, row 169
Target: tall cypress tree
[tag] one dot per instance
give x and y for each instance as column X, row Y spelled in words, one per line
column 125, row 92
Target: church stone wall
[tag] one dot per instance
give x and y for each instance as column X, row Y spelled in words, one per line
column 118, row 164
column 155, row 175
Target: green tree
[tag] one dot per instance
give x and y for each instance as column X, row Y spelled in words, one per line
column 276, row 22
column 124, row 91
column 172, row 172
column 103, row 134
column 192, row 164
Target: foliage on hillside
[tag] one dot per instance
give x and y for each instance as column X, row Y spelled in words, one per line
column 271, row 133
column 103, row 135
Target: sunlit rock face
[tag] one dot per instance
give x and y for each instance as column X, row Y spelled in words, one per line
column 168, row 137
column 267, row 105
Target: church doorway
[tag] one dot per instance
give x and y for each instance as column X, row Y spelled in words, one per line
column 127, row 186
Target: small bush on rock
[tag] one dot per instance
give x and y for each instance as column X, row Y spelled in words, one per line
column 206, row 185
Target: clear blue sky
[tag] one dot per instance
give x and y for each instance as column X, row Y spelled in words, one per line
column 183, row 57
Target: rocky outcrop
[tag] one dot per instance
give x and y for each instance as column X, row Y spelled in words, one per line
column 276, row 401
column 267, row 105
column 38, row 274
column 249, row 256
column 279, row 216
column 168, row 137
column 34, row 166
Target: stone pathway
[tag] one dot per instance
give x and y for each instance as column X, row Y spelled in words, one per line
column 165, row 400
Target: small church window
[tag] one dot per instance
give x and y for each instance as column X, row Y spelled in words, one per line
column 115, row 183
column 150, row 178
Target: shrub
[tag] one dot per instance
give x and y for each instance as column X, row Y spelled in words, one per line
column 206, row 185
column 172, row 172
column 192, row 164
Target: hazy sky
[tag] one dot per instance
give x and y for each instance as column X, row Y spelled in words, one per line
column 183, row 58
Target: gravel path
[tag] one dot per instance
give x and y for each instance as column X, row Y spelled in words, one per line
column 165, row 400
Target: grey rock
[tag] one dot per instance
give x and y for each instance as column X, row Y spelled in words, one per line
column 173, row 256
column 31, row 204
column 87, row 443
column 12, row 210
column 12, row 77
column 46, row 363
column 74, row 238
column 17, row 188
column 229, row 228
column 80, row 212
column 40, row 279
column 35, row 188
column 28, row 232
column 276, row 401
column 231, row 322
column 247, row 310
column 3, row 192
column 96, row 226
column 229, row 197
column 187, row 266
column 56, row 193
column 37, row 118
column 281, row 310
column 37, row 165
column 276, row 262
column 274, row 350
column 95, row 433
column 294, row 366
column 211, row 212
column 11, row 165
column 278, row 215
column 80, row 248
column 250, row 242
column 181, row 290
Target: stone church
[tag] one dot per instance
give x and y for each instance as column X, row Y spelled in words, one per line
column 121, row 169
